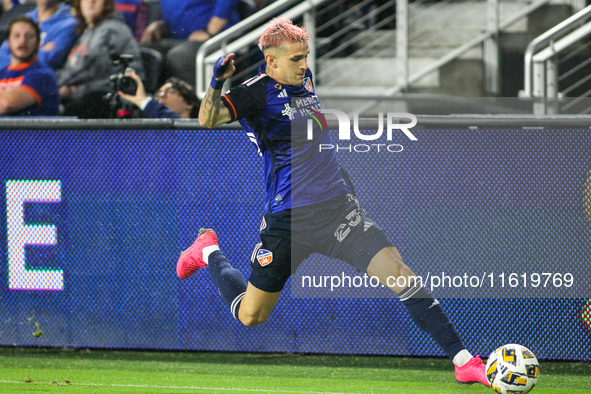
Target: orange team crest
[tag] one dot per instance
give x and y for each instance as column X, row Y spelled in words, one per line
column 308, row 84
column 264, row 257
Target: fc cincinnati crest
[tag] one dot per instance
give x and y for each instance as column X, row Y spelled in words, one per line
column 264, row 257
column 308, row 84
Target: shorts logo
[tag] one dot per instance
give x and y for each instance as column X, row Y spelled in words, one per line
column 265, row 257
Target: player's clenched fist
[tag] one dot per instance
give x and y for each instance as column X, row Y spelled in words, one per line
column 223, row 69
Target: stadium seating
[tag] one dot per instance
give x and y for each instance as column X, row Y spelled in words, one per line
column 10, row 14
column 152, row 60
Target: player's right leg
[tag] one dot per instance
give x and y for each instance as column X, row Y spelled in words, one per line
column 362, row 243
column 271, row 263
column 205, row 253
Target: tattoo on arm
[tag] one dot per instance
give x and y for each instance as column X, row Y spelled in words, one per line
column 211, row 105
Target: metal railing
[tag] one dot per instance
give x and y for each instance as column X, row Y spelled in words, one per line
column 478, row 40
column 242, row 35
column 487, row 38
column 343, row 41
column 345, row 38
column 558, row 67
column 547, row 38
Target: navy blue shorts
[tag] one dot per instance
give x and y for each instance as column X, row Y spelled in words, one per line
column 337, row 228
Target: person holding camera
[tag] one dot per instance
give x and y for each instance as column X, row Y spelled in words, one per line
column 174, row 99
column 85, row 79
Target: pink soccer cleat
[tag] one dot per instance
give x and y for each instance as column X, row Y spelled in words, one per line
column 474, row 371
column 192, row 258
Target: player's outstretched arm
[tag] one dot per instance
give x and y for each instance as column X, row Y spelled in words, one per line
column 212, row 112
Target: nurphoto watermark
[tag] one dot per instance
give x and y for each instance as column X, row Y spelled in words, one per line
column 382, row 136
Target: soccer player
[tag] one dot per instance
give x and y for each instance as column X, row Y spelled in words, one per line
column 262, row 104
column 27, row 87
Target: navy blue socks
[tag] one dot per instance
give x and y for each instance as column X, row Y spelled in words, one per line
column 229, row 281
column 426, row 312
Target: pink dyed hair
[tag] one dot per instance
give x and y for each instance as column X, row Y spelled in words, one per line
column 280, row 32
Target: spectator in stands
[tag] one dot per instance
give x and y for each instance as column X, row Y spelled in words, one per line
column 136, row 14
column 85, row 79
column 58, row 33
column 27, row 87
column 175, row 99
column 185, row 26
column 8, row 4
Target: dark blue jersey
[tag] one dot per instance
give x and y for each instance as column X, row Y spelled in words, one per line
column 37, row 79
column 297, row 174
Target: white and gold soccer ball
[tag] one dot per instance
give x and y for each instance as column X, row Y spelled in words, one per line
column 512, row 369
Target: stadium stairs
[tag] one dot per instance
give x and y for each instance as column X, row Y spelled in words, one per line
column 372, row 70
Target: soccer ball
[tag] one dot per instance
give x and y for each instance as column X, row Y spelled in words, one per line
column 512, row 369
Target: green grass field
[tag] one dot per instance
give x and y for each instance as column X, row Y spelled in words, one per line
column 30, row 370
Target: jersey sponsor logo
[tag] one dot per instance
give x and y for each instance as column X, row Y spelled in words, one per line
column 318, row 118
column 308, row 84
column 288, row 111
column 282, row 94
column 264, row 257
column 367, row 225
column 278, row 86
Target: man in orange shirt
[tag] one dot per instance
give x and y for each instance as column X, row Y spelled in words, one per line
column 27, row 87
